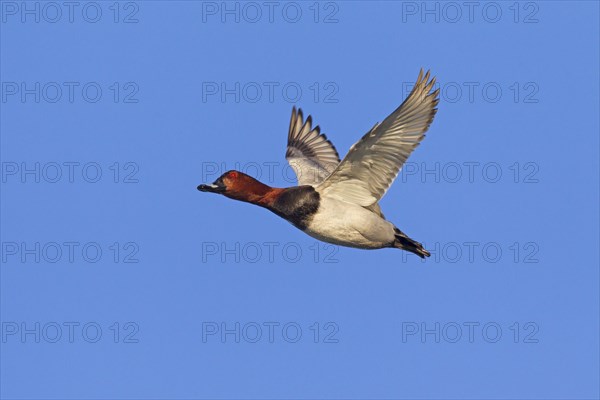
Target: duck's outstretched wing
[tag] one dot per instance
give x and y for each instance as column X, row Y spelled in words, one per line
column 372, row 164
column 309, row 152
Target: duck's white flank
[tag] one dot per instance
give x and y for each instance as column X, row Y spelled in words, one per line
column 348, row 224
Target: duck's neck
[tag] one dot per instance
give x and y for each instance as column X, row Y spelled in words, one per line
column 296, row 204
column 255, row 192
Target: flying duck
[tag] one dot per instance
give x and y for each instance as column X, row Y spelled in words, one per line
column 337, row 201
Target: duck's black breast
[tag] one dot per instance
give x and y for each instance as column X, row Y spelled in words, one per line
column 297, row 205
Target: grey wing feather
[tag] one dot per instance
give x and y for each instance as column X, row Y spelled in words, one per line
column 312, row 156
column 372, row 164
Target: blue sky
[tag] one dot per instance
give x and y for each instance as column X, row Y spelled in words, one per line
column 120, row 280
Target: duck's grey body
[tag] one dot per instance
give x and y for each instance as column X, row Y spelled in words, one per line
column 348, row 224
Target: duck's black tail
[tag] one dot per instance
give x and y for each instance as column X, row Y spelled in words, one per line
column 405, row 243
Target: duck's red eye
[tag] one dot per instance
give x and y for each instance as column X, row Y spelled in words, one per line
column 233, row 175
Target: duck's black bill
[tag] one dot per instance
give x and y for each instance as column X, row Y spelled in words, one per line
column 211, row 188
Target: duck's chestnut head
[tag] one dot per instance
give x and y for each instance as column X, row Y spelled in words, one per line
column 237, row 185
column 221, row 184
